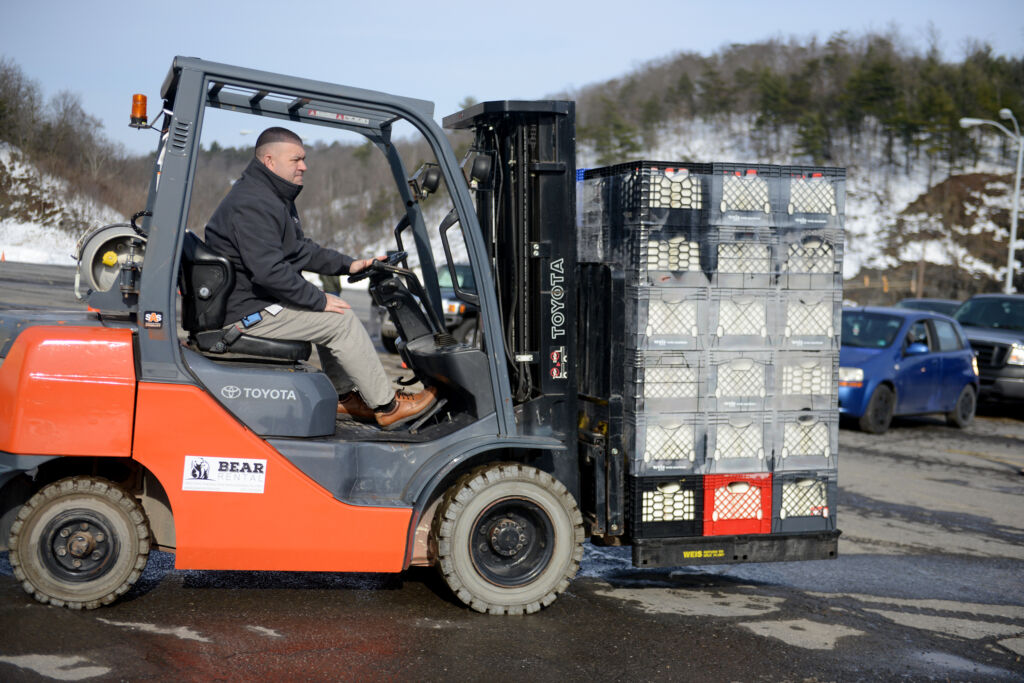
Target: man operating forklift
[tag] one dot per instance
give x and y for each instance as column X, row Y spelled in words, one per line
column 257, row 228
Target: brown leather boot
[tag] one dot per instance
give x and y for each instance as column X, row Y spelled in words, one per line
column 354, row 405
column 404, row 408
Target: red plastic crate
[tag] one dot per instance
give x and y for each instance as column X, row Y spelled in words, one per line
column 737, row 504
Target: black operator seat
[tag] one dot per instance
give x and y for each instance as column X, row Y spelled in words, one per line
column 206, row 280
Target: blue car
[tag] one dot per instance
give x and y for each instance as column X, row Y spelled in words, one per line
column 896, row 361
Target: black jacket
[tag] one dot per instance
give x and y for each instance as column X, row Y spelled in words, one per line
column 257, row 228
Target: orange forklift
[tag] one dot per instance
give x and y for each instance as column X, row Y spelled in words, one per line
column 135, row 423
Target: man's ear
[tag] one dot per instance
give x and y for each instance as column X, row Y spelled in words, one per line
column 268, row 161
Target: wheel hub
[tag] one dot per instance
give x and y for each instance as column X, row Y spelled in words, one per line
column 511, row 542
column 78, row 546
column 508, row 537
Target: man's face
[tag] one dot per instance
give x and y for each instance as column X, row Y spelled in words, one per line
column 287, row 160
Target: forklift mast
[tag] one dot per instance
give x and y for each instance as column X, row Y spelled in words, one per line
column 526, row 211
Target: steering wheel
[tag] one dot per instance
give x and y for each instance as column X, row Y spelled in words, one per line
column 378, row 266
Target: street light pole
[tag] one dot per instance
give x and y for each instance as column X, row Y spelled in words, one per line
column 1016, row 136
column 1016, row 199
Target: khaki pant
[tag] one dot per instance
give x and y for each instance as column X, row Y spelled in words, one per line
column 346, row 351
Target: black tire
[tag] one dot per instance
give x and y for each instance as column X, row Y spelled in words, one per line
column 389, row 343
column 962, row 415
column 80, row 543
column 529, row 535
column 878, row 416
column 466, row 332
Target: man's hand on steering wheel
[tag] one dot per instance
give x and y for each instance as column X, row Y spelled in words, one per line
column 363, row 263
column 361, row 269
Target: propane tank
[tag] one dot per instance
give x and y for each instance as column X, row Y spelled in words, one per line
column 102, row 253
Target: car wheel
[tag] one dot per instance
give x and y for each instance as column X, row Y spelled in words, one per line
column 466, row 332
column 878, row 416
column 962, row 414
column 509, row 539
column 79, row 543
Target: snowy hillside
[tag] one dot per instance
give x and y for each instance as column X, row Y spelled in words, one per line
column 876, row 199
column 39, row 219
column 890, row 217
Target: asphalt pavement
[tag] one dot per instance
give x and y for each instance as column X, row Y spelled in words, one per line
column 927, row 586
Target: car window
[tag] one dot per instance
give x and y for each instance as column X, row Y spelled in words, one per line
column 918, row 334
column 1000, row 314
column 463, row 273
column 938, row 306
column 870, row 330
column 949, row 340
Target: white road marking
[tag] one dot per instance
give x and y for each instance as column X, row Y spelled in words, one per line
column 58, row 667
column 1015, row 645
column 954, row 663
column 696, row 603
column 811, row 635
column 264, row 631
column 971, row 629
column 183, row 632
column 887, row 536
column 975, row 608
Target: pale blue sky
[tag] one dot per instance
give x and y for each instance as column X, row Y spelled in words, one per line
column 441, row 51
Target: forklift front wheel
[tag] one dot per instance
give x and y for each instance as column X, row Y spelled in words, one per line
column 79, row 543
column 509, row 539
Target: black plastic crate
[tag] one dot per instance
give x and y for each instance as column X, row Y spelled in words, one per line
column 665, row 381
column 807, row 380
column 666, row 318
column 806, row 440
column 811, row 197
column 744, row 194
column 662, row 443
column 740, row 442
column 740, row 257
column 804, row 501
column 673, row 193
column 810, row 259
column 744, row 319
column 810, row 320
column 740, row 381
column 666, row 506
column 661, row 256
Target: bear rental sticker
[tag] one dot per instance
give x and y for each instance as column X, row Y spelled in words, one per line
column 227, row 475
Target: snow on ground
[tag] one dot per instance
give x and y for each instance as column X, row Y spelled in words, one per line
column 34, row 243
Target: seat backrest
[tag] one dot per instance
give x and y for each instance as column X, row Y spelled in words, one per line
column 206, row 280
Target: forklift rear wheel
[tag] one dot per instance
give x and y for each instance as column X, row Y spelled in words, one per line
column 509, row 539
column 81, row 542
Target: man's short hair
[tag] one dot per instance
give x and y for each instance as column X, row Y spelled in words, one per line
column 275, row 134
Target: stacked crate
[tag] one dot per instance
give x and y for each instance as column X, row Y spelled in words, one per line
column 732, row 318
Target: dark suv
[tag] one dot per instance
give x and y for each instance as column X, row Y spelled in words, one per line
column 994, row 324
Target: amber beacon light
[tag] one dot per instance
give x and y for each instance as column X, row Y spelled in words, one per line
column 138, row 111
